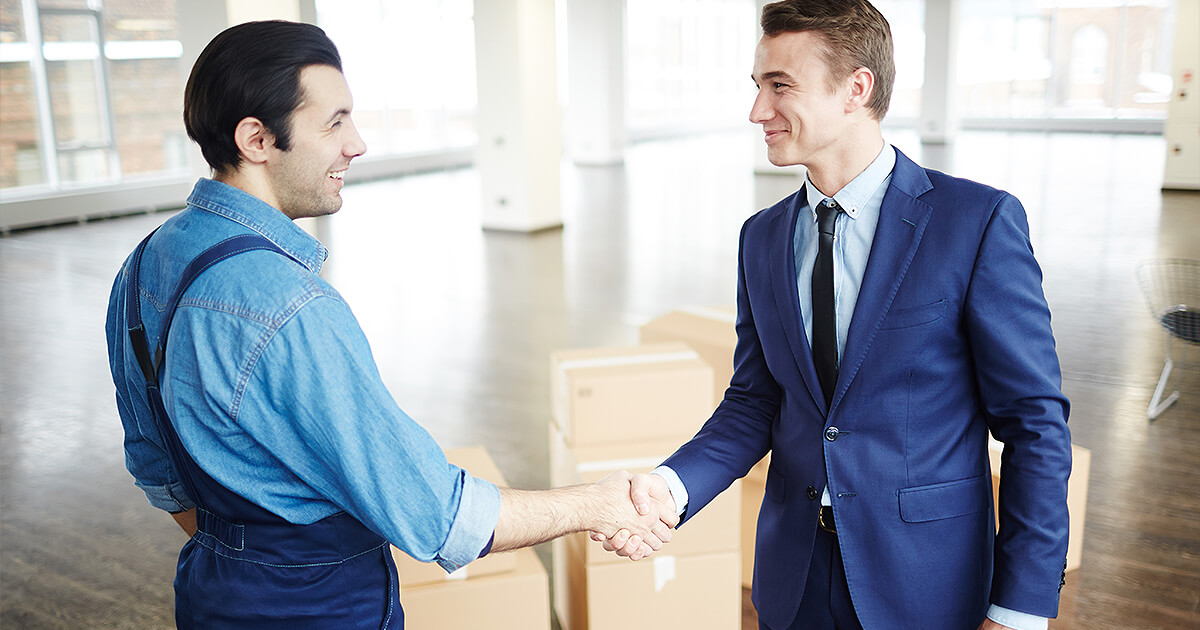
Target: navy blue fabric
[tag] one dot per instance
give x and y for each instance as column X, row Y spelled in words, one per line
column 246, row 567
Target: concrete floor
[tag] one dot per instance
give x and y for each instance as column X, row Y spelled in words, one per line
column 462, row 323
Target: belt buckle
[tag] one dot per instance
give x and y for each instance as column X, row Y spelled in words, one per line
column 825, row 519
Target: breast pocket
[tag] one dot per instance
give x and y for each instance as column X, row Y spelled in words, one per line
column 914, row 316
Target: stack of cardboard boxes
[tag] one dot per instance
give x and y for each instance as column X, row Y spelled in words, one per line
column 503, row 590
column 629, row 408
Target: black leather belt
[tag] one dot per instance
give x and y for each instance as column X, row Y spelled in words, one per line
column 825, row 519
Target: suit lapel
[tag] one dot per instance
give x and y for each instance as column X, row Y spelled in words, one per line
column 787, row 299
column 902, row 222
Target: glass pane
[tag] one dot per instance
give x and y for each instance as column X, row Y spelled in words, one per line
column 688, row 64
column 75, row 103
column 20, row 154
column 12, row 21
column 1144, row 77
column 83, row 167
column 138, row 20
column 146, row 81
column 73, row 72
column 1065, row 58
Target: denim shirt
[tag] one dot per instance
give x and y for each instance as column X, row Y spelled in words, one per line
column 273, row 390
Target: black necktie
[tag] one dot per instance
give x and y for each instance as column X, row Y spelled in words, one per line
column 824, row 328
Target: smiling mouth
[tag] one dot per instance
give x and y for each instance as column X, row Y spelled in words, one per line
column 338, row 175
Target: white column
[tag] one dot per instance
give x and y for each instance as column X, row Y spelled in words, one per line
column 1182, row 129
column 939, row 121
column 517, row 117
column 596, row 63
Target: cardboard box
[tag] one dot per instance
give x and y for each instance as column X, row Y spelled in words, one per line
column 610, row 395
column 709, row 330
column 476, row 461
column 697, row 592
column 1077, row 489
column 515, row 600
column 715, row 529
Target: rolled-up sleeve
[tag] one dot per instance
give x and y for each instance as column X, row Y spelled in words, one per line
column 474, row 524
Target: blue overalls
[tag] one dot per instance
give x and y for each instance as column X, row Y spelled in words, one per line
column 246, row 567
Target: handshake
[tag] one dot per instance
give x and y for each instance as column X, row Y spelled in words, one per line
column 632, row 515
column 638, row 515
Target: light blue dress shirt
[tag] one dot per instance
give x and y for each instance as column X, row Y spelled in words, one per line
column 274, row 391
column 854, row 232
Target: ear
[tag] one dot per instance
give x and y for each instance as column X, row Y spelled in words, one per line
column 253, row 140
column 862, row 86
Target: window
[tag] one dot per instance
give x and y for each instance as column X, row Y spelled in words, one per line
column 92, row 93
column 1091, row 59
column 688, row 63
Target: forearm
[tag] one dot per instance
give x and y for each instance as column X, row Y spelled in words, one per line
column 531, row 517
column 186, row 520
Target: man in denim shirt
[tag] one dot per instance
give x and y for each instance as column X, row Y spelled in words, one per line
column 305, row 464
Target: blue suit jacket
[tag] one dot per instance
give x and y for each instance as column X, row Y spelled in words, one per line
column 950, row 338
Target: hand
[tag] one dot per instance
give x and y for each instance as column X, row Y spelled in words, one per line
column 988, row 624
column 648, row 493
column 638, row 531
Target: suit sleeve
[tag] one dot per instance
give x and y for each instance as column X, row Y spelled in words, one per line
column 1008, row 324
column 738, row 434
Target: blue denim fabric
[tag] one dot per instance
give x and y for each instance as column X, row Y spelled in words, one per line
column 274, row 391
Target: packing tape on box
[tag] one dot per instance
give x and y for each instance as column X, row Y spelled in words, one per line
column 628, row 359
column 710, row 313
column 664, row 571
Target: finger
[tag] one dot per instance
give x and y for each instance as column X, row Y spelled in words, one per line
column 654, row 543
column 663, row 532
column 619, row 539
column 597, row 537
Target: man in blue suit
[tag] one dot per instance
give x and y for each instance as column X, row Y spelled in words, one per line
column 873, row 361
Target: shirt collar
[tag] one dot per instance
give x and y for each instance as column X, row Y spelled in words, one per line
column 859, row 191
column 240, row 206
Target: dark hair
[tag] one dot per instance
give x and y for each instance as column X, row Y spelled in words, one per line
column 251, row 70
column 856, row 36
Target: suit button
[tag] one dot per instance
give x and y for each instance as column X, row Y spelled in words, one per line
column 812, row 493
column 831, row 433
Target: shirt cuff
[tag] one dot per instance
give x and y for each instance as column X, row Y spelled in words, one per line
column 474, row 524
column 1016, row 620
column 678, row 492
column 171, row 497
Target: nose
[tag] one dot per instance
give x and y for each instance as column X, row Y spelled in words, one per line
column 761, row 111
column 355, row 146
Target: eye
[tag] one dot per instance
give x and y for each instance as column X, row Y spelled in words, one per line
column 779, row 85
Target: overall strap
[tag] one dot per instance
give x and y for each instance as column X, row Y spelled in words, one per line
column 209, row 257
column 202, row 489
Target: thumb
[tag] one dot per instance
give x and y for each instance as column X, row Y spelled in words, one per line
column 639, row 493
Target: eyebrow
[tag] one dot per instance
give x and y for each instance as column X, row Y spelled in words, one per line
column 774, row 74
column 341, row 112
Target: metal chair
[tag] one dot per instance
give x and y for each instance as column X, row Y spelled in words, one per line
column 1172, row 290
